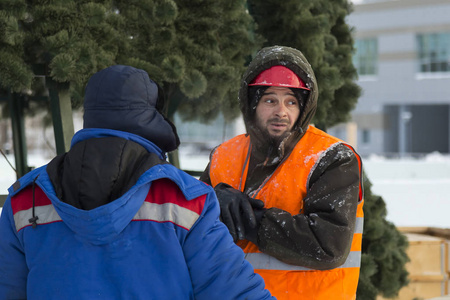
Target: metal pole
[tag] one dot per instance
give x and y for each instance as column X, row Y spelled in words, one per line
column 16, row 106
column 62, row 117
column 405, row 116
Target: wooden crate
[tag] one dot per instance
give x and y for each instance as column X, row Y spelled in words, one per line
column 429, row 264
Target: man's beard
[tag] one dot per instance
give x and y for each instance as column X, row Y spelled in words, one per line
column 273, row 139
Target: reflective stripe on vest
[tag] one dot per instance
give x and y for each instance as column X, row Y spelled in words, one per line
column 359, row 225
column 266, row 262
column 263, row 261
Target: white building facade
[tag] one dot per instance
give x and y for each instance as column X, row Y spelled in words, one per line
column 403, row 62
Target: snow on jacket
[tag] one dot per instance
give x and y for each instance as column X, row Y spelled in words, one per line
column 153, row 232
column 308, row 244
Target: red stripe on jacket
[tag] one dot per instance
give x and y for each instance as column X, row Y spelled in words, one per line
column 166, row 191
column 24, row 199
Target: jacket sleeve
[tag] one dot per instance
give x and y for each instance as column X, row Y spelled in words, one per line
column 320, row 236
column 205, row 176
column 13, row 267
column 217, row 266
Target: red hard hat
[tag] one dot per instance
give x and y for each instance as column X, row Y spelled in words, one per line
column 279, row 76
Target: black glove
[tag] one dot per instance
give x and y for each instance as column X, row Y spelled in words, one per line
column 251, row 233
column 236, row 207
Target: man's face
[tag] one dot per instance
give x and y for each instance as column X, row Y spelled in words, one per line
column 277, row 111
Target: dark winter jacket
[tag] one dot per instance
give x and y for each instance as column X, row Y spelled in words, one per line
column 336, row 177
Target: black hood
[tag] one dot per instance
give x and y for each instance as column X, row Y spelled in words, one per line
column 97, row 171
column 126, row 99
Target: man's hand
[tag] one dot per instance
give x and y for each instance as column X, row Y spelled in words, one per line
column 235, row 209
column 251, row 233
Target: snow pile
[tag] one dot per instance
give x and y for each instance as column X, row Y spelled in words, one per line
column 416, row 191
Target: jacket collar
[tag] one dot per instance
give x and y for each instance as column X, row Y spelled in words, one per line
column 88, row 133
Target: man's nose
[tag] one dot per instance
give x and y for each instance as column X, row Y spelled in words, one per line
column 281, row 110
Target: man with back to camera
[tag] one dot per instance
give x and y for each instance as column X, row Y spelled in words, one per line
column 290, row 194
column 111, row 219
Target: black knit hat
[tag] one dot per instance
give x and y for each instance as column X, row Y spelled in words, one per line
column 126, row 99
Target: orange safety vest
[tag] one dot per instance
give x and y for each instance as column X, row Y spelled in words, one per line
column 285, row 189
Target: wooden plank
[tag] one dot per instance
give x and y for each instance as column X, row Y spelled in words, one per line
column 421, row 290
column 432, row 231
column 427, row 255
column 428, row 266
column 428, row 277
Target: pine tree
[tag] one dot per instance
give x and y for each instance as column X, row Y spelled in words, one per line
column 318, row 29
column 384, row 251
column 49, row 50
column 196, row 50
column 65, row 40
column 15, row 73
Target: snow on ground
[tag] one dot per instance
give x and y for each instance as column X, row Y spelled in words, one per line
column 416, row 191
column 7, row 174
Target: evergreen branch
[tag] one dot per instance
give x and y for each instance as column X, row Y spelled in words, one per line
column 7, row 160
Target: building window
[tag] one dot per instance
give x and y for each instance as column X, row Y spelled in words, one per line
column 434, row 52
column 365, row 136
column 366, row 56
